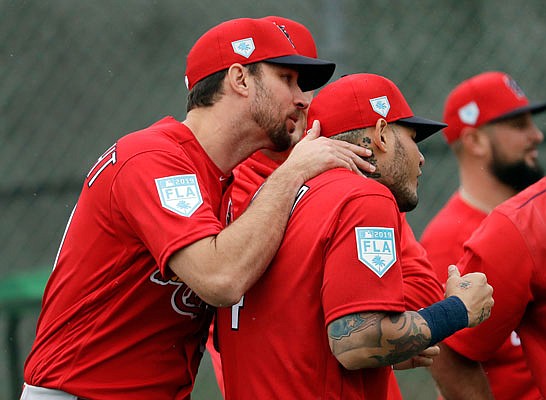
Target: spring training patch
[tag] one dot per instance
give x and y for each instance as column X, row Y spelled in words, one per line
column 381, row 105
column 179, row 194
column 469, row 113
column 376, row 248
column 243, row 47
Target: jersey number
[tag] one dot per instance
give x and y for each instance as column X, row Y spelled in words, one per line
column 235, row 314
column 109, row 157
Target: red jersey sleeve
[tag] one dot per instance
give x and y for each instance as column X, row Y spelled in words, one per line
column 421, row 284
column 362, row 266
column 139, row 200
column 490, row 250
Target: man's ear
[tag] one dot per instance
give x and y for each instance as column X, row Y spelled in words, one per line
column 237, row 79
column 475, row 141
column 380, row 135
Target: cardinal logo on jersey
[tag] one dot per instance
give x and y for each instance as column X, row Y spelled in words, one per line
column 376, row 248
column 381, row 105
column 183, row 300
column 179, row 194
column 243, row 47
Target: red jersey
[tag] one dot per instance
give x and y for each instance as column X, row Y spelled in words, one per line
column 509, row 248
column 340, row 255
column 443, row 238
column 422, row 287
column 115, row 322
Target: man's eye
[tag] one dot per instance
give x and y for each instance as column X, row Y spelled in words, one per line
column 288, row 78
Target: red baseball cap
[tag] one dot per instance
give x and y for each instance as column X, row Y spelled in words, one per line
column 300, row 36
column 246, row 41
column 488, row 97
column 359, row 100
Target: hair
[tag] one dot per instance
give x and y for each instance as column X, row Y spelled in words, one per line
column 351, row 136
column 360, row 138
column 209, row 90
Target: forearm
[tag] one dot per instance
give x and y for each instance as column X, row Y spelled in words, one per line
column 370, row 340
column 459, row 378
column 221, row 269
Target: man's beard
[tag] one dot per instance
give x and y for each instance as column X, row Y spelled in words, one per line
column 397, row 180
column 264, row 114
column 517, row 175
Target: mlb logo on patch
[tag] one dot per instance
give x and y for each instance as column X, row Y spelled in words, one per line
column 376, row 248
column 243, row 47
column 179, row 193
column 381, row 105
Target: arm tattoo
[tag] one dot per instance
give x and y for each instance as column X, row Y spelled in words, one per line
column 409, row 342
column 343, row 327
column 365, row 330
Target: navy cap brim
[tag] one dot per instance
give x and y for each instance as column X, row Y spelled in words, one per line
column 531, row 108
column 423, row 127
column 312, row 72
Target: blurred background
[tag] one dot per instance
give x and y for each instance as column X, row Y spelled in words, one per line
column 75, row 76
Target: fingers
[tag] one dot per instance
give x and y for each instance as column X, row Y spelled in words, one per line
column 431, row 351
column 354, row 155
column 453, row 270
column 419, row 361
column 314, row 132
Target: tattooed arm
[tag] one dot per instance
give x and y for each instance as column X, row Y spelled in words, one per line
column 375, row 339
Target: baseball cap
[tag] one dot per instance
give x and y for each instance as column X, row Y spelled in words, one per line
column 488, row 97
column 298, row 33
column 246, row 41
column 357, row 101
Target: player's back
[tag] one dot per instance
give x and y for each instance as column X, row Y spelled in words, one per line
column 274, row 342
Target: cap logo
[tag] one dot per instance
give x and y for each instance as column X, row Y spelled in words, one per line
column 513, row 86
column 469, row 113
column 381, row 105
column 283, row 30
column 243, row 47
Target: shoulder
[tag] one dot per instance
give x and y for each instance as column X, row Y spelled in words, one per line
column 348, row 183
column 167, row 136
column 528, row 201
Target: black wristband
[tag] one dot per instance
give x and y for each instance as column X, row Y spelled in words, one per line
column 444, row 318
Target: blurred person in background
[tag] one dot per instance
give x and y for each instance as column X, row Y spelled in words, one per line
column 126, row 310
column 509, row 247
column 492, row 134
column 422, row 286
column 333, row 300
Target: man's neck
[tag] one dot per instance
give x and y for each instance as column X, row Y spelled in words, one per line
column 226, row 141
column 483, row 191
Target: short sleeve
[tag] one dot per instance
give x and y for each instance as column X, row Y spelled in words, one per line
column 498, row 250
column 163, row 225
column 362, row 266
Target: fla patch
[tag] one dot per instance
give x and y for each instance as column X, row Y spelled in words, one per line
column 179, row 194
column 376, row 248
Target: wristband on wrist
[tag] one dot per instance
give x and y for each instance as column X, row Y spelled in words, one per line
column 444, row 318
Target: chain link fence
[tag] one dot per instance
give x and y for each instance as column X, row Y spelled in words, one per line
column 77, row 75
